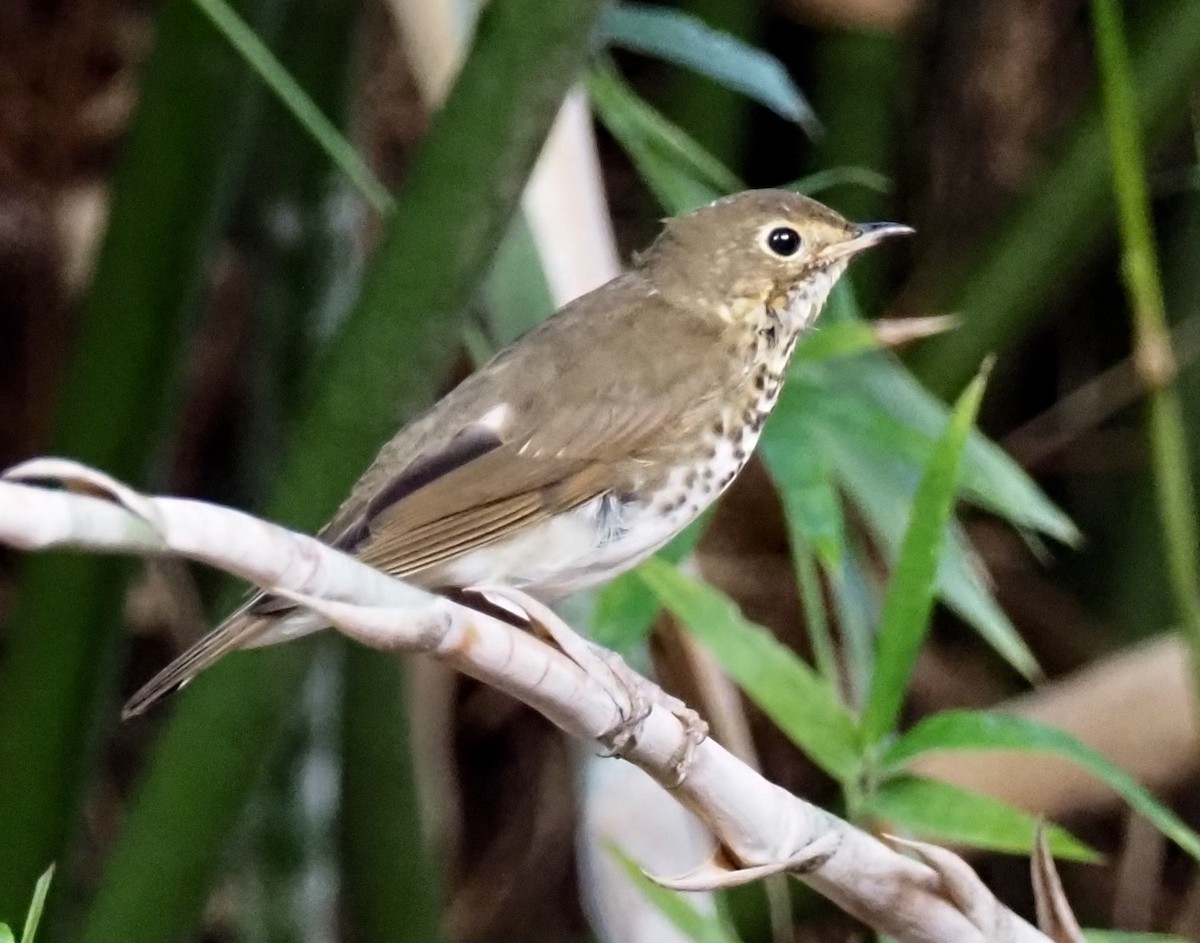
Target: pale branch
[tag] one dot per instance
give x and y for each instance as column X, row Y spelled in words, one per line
column 760, row 828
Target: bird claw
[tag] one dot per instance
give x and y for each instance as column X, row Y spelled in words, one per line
column 634, row 696
column 720, row 872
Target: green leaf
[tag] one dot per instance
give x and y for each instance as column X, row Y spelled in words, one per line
column 689, row 42
column 6, row 935
column 990, row 477
column 671, row 904
column 946, row 813
column 910, row 594
column 811, row 505
column 37, row 905
column 680, row 173
column 832, row 341
column 626, row 607
column 787, row 690
column 296, row 100
column 881, row 482
column 1125, row 936
column 974, row 730
column 515, row 291
column 822, row 180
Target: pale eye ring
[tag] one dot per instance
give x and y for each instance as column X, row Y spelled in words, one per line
column 784, row 241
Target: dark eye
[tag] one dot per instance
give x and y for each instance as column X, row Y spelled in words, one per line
column 783, row 241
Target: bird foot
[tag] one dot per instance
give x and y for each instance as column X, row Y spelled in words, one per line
column 634, row 696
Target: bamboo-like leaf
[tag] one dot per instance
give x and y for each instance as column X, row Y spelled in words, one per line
column 678, row 171
column 941, row 812
column 625, row 608
column 816, row 183
column 876, row 387
column 804, row 480
column 831, row 341
column 689, row 42
column 296, row 100
column 909, row 601
column 974, row 730
column 40, row 890
column 788, row 691
column 881, row 482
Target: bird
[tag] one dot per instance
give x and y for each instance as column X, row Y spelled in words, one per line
column 586, row 445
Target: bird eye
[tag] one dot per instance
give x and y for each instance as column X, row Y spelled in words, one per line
column 783, row 241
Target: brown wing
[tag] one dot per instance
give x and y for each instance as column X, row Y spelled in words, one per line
column 504, row 490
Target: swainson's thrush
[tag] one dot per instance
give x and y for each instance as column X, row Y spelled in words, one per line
column 585, row 446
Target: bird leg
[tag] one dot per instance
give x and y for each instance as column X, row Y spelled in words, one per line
column 634, row 696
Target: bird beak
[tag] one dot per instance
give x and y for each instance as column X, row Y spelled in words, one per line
column 863, row 236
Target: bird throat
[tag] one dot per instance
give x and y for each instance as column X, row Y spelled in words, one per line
column 763, row 343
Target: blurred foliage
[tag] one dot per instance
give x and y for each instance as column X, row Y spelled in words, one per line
column 185, row 148
column 879, row 481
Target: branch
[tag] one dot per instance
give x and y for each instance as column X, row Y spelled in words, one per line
column 761, row 828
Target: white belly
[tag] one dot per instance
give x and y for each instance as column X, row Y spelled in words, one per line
column 568, row 553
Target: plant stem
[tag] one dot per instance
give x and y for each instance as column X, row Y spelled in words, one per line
column 1059, row 224
column 1152, row 353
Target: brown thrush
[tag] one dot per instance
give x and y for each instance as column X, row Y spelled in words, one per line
column 585, row 446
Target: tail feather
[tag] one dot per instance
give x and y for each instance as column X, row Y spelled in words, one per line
column 242, row 628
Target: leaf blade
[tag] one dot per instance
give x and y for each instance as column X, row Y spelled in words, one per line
column 908, row 603
column 946, row 813
column 774, row 677
column 689, row 42
column 680, row 173
column 37, row 905
column 976, row 730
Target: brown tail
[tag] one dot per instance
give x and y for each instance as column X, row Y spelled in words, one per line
column 239, row 630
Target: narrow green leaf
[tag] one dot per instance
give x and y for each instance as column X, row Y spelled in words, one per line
column 857, row 606
column 884, row 405
column 37, row 905
column 946, row 813
column 515, row 291
column 910, row 595
column 296, row 100
column 990, row 478
column 832, row 341
column 689, row 42
column 822, row 180
column 1124, row 936
column 680, row 173
column 702, row 928
column 881, row 482
column 788, row 691
column 802, row 476
column 974, row 730
column 626, row 607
